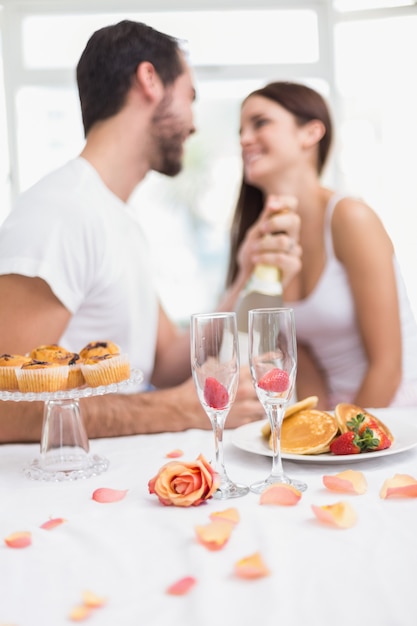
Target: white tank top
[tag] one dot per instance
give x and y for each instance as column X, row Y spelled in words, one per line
column 326, row 322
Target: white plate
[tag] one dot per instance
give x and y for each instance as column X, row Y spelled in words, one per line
column 401, row 422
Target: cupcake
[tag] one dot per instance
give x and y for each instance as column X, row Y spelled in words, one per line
column 99, row 348
column 9, row 363
column 37, row 376
column 105, row 369
column 49, row 352
column 54, row 353
column 75, row 374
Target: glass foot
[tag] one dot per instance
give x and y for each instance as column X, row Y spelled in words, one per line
column 230, row 490
column 260, row 486
column 65, row 468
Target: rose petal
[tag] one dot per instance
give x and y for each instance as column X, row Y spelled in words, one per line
column 214, row 535
column 20, row 539
column 174, row 454
column 281, row 494
column 349, row 481
column 53, row 523
column 93, row 601
column 251, row 566
column 400, row 486
column 228, row 515
column 109, row 495
column 340, row 514
column 182, row 586
column 80, row 613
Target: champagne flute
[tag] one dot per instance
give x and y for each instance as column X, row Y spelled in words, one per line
column 273, row 365
column 215, row 368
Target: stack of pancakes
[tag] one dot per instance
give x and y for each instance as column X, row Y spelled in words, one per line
column 306, row 430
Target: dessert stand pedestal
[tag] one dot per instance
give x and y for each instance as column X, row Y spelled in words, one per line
column 64, row 447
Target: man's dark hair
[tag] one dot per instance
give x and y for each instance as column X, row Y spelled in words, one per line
column 109, row 61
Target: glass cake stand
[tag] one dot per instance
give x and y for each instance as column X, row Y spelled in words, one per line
column 64, row 447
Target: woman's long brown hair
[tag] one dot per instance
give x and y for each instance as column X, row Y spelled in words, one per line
column 306, row 105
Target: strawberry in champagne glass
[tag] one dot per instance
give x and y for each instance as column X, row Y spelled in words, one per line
column 215, row 368
column 273, row 365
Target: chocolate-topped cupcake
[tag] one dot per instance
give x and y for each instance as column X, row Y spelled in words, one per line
column 9, row 363
column 37, row 376
column 105, row 369
column 99, row 348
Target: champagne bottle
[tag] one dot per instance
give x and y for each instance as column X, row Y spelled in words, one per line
column 263, row 290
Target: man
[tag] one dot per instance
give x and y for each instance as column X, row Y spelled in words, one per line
column 73, row 262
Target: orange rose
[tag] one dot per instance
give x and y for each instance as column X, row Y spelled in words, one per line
column 184, row 484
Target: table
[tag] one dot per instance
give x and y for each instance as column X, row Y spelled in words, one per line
column 131, row 551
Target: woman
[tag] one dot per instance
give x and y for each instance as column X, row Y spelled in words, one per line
column 356, row 333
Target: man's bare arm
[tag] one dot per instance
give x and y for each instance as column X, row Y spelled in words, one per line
column 113, row 415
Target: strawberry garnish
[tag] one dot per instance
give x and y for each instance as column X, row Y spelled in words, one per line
column 348, row 443
column 364, row 435
column 215, row 394
column 375, row 438
column 275, row 380
column 372, row 436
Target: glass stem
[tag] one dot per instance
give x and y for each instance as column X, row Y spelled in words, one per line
column 275, row 415
column 218, row 427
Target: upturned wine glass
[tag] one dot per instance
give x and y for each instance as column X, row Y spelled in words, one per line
column 215, row 368
column 273, row 366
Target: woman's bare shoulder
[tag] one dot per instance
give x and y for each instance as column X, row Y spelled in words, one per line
column 355, row 224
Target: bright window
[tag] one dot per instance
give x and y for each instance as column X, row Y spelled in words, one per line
column 214, row 37
column 379, row 100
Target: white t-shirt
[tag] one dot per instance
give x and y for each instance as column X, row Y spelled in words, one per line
column 73, row 232
column 326, row 322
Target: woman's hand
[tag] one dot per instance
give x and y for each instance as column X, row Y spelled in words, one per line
column 273, row 240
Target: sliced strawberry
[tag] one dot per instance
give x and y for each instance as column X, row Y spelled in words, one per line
column 215, row 394
column 275, row 380
column 360, row 422
column 375, row 439
column 372, row 437
column 348, row 443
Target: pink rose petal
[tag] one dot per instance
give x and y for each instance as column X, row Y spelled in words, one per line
column 251, row 567
column 349, row 481
column 214, row 535
column 53, row 523
column 80, row 613
column 105, row 495
column 182, row 586
column 93, row 601
column 280, row 494
column 228, row 515
column 20, row 539
column 174, row 454
column 340, row 514
column 400, row 486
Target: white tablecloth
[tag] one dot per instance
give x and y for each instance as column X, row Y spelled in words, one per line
column 130, row 551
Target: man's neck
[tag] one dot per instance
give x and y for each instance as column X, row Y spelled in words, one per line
column 118, row 154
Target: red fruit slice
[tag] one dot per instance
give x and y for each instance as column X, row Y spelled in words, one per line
column 275, row 380
column 215, row 394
